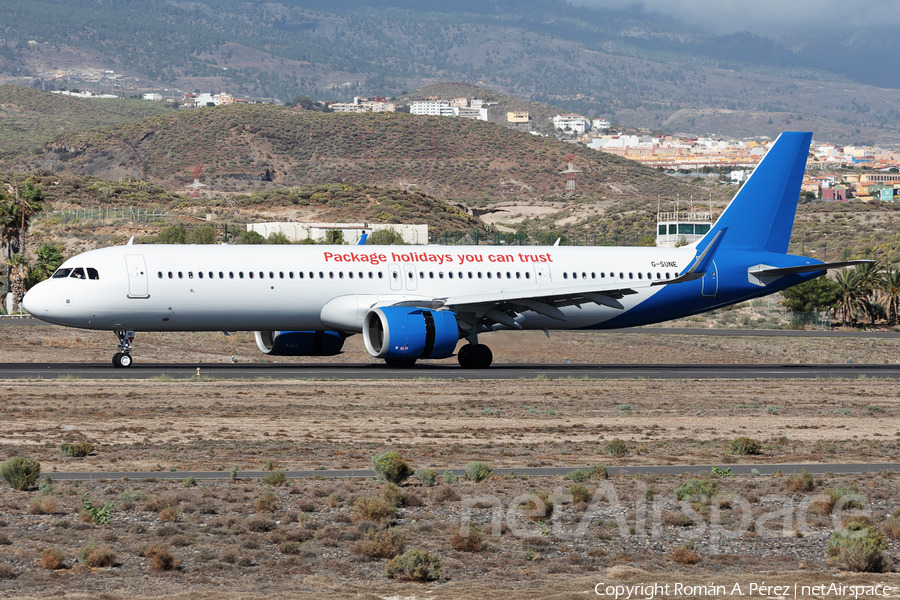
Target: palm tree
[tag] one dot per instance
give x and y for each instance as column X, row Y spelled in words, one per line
column 9, row 221
column 853, row 292
column 891, row 293
column 17, row 267
column 30, row 202
column 49, row 257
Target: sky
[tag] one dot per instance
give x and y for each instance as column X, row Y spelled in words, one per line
column 768, row 17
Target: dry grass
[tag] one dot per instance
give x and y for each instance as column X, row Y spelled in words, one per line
column 52, row 559
column 161, row 558
column 685, row 555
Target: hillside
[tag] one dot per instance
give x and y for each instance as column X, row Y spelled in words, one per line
column 634, row 67
column 31, row 118
column 258, row 147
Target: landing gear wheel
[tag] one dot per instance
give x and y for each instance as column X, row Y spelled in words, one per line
column 475, row 356
column 125, row 360
column 400, row 363
column 116, row 358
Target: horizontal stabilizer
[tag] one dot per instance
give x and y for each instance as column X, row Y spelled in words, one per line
column 763, row 275
column 775, row 271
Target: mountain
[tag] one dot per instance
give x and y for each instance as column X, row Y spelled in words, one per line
column 260, row 147
column 637, row 68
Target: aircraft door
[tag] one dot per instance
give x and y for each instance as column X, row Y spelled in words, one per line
column 542, row 274
column 710, row 282
column 409, row 273
column 137, row 276
column 396, row 275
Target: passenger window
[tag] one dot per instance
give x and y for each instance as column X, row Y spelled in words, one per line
column 312, row 275
column 280, row 274
column 640, row 275
column 381, row 275
column 527, row 275
column 211, row 275
column 300, row 274
column 230, row 274
column 395, row 274
column 221, row 275
column 479, row 274
column 667, row 275
column 350, row 274
column 518, row 275
column 360, row 274
column 461, row 275
column 200, row 274
column 272, row 275
column 421, row 274
column 440, row 274
column 565, row 275
column 190, row 274
column 170, row 274
column 431, row 274
column 158, row 274
column 621, row 276
column 78, row 273
column 370, row 274
column 341, row 274
column 291, row 274
column 631, row 276
column 584, row 275
column 240, row 274
column 489, row 274
column 450, row 274
column 180, row 275
column 250, row 274
column 321, row 275
column 508, row 275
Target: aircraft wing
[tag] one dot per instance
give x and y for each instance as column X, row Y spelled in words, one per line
column 506, row 307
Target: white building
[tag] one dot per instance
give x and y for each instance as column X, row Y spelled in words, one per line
column 600, row 124
column 153, row 96
column 433, row 108
column 351, row 232
column 574, row 123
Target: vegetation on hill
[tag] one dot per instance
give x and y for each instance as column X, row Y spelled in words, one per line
column 264, row 146
column 31, row 118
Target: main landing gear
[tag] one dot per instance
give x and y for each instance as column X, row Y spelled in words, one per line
column 475, row 356
column 123, row 358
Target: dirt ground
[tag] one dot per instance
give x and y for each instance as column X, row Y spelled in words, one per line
column 315, row 540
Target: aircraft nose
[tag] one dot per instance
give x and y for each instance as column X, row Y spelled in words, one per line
column 36, row 301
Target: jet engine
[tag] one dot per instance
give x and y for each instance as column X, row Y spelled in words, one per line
column 300, row 343
column 402, row 332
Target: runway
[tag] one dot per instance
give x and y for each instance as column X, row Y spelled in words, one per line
column 787, row 469
column 446, row 371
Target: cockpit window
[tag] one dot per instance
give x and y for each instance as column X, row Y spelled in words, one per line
column 92, row 273
column 60, row 273
column 78, row 273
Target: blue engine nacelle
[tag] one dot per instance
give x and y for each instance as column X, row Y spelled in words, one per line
column 409, row 332
column 300, row 343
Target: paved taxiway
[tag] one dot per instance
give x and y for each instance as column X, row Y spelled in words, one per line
column 447, row 370
column 787, row 469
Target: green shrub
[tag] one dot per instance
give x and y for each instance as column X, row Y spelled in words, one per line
column 101, row 515
column 189, row 482
column 392, row 494
column 385, row 543
column 478, row 471
column 577, row 476
column 391, row 467
column 697, row 489
column 20, row 473
column 76, row 449
column 428, row 477
column 415, row 565
column 744, row 446
column 276, row 478
column 892, row 528
column 373, row 509
column 449, row 477
column 859, row 548
column 616, row 448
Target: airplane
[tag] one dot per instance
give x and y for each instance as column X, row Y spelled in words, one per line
column 418, row 302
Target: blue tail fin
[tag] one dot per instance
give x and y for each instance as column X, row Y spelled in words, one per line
column 761, row 215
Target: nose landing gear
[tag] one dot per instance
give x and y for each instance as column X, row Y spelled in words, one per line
column 123, row 358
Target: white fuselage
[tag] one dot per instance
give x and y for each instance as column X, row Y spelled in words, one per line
column 245, row 288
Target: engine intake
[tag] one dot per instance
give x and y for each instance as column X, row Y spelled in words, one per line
column 409, row 332
column 299, row 343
